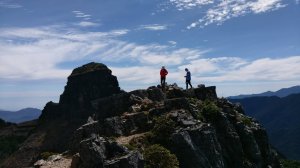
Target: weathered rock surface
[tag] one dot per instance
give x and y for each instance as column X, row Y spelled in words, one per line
column 57, row 161
column 207, row 132
column 228, row 140
column 198, row 147
column 86, row 83
column 100, row 152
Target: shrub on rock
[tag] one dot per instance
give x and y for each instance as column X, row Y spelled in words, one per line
column 210, row 110
column 162, row 130
column 157, row 156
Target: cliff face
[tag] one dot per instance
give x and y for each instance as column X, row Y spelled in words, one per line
column 86, row 83
column 281, row 118
column 207, row 131
column 194, row 128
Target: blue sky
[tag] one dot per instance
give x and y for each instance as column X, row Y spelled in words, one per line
column 241, row 46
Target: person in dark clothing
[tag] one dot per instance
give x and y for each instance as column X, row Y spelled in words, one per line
column 188, row 78
column 163, row 74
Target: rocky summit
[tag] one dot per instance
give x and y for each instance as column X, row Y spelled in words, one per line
column 95, row 124
column 86, row 83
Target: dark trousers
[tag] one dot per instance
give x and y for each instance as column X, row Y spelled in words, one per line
column 188, row 82
column 163, row 81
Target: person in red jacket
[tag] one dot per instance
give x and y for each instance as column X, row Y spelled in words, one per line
column 163, row 74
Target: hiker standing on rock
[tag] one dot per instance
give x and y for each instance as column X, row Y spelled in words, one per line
column 188, row 78
column 163, row 74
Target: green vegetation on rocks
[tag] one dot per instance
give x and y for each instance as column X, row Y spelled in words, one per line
column 210, row 110
column 246, row 121
column 163, row 128
column 290, row 163
column 9, row 144
column 157, row 156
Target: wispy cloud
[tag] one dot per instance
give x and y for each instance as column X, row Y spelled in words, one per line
column 217, row 70
column 85, row 19
column 234, row 69
column 80, row 14
column 151, row 54
column 8, row 4
column 154, row 27
column 87, row 24
column 189, row 4
column 39, row 51
column 266, row 69
column 219, row 11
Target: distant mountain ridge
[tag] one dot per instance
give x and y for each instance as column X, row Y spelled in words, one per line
column 281, row 118
column 22, row 115
column 280, row 93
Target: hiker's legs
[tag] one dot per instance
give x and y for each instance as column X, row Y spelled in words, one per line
column 188, row 82
column 186, row 85
column 163, row 81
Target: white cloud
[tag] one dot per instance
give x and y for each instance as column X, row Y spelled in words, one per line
column 192, row 25
column 297, row 1
column 40, row 50
column 214, row 66
column 154, row 27
column 220, row 70
column 266, row 69
column 266, row 5
column 220, row 11
column 85, row 19
column 142, row 74
column 7, row 4
column 234, row 69
column 82, row 15
column 172, row 42
column 87, row 24
column 35, row 53
column 188, row 4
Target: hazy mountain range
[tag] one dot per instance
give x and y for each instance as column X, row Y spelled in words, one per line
column 280, row 116
column 22, row 115
column 280, row 93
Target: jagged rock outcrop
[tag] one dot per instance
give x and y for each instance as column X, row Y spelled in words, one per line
column 216, row 134
column 195, row 125
column 86, row 83
column 58, row 121
column 100, row 152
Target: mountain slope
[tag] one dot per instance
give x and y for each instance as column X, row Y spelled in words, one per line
column 22, row 115
column 95, row 124
column 280, row 93
column 281, row 118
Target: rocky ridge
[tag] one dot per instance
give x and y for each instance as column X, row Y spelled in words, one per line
column 111, row 128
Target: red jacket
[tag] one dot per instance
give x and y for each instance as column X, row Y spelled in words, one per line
column 163, row 72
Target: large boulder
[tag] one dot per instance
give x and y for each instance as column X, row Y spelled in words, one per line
column 86, row 83
column 100, row 152
column 110, row 106
column 198, row 147
column 92, row 152
column 206, row 93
